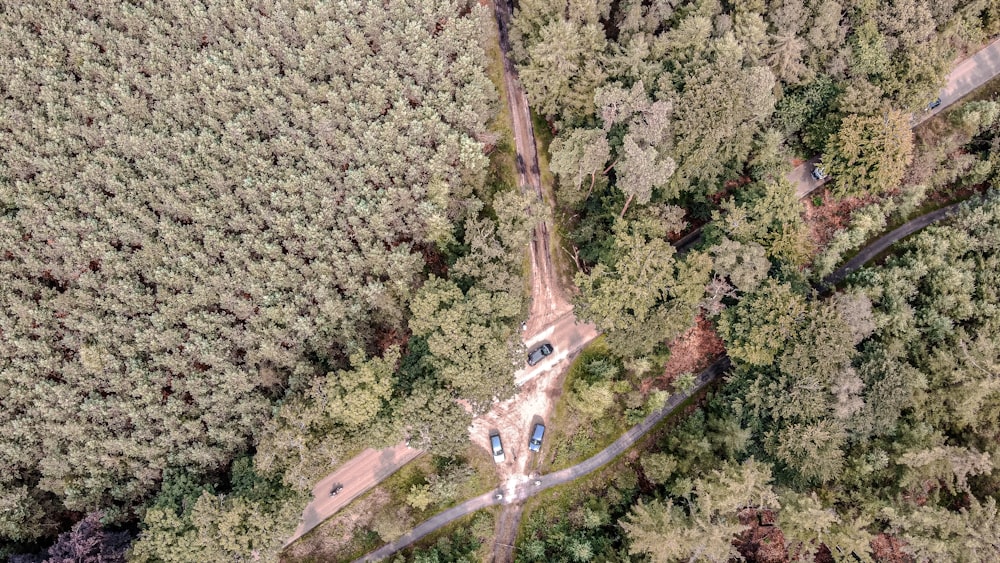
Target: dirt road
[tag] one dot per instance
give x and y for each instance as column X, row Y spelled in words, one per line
column 361, row 473
column 551, row 320
column 547, row 299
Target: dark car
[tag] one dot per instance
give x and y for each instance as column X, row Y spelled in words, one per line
column 535, row 443
column 336, row 489
column 537, row 354
column 934, row 104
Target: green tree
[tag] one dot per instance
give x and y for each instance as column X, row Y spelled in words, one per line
column 578, row 157
column 646, row 297
column 663, row 530
column 470, row 337
column 769, row 214
column 757, row 327
column 869, row 153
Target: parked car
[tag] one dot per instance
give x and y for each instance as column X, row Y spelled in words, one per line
column 336, row 489
column 535, row 443
column 537, row 354
column 818, row 173
column 934, row 104
column 497, row 448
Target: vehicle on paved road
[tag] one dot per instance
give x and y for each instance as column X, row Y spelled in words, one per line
column 537, row 354
column 497, row 448
column 535, row 443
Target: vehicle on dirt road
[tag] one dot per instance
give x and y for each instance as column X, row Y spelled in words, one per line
column 497, row 448
column 934, row 104
column 535, row 443
column 537, row 354
column 818, row 173
column 336, row 489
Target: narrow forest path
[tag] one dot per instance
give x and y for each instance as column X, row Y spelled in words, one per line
column 547, row 299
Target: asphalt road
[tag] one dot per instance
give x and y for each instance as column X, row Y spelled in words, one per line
column 518, row 492
column 969, row 74
column 876, row 248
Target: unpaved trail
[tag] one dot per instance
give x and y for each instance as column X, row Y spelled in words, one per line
column 551, row 320
column 547, row 299
column 506, row 535
column 361, row 473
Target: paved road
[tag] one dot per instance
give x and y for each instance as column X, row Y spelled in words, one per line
column 361, row 473
column 875, row 248
column 528, row 487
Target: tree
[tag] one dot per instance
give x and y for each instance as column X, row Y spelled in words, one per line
column 641, row 170
column 470, row 337
column 658, row 467
column 432, row 419
column 932, row 533
column 805, row 523
column 869, row 153
column 646, row 297
column 717, row 112
column 230, row 202
column 564, row 68
column 663, row 531
column 250, row 523
column 769, row 214
column 746, row 265
column 577, row 156
column 757, row 327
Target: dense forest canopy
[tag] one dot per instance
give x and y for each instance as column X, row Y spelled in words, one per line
column 204, row 207
column 854, row 427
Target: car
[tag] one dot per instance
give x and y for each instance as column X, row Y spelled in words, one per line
column 336, row 489
column 537, row 354
column 934, row 104
column 535, row 443
column 818, row 173
column 497, row 447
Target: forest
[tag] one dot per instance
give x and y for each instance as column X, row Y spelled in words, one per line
column 857, row 425
column 242, row 241
column 216, row 221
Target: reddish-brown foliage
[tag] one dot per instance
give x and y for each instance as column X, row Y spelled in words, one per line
column 692, row 351
column 889, row 549
column 763, row 542
column 831, row 215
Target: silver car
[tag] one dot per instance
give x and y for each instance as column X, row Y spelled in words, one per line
column 497, row 448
